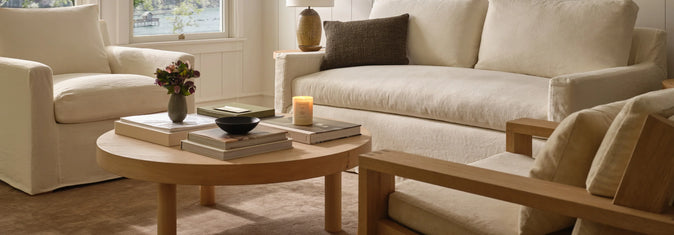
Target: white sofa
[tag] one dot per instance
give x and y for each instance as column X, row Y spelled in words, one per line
column 477, row 64
column 55, row 109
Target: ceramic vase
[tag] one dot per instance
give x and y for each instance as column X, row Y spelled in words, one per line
column 177, row 108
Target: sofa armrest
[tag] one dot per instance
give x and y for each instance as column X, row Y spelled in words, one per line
column 28, row 126
column 573, row 92
column 142, row 61
column 520, row 132
column 290, row 65
column 382, row 166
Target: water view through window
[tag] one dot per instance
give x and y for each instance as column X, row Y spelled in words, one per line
column 36, row 3
column 154, row 17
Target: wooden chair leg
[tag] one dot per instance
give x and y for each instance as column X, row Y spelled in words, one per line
column 373, row 190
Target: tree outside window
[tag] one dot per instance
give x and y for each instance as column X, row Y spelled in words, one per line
column 169, row 17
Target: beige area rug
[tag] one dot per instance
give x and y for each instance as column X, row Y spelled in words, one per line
column 127, row 206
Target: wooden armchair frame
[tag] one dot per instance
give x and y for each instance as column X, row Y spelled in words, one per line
column 640, row 206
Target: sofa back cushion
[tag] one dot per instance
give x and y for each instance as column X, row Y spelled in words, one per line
column 566, row 158
column 548, row 38
column 67, row 39
column 616, row 149
column 441, row 32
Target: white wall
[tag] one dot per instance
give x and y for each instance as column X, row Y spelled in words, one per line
column 656, row 14
column 280, row 24
column 229, row 68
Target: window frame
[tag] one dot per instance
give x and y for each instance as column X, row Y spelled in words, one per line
column 226, row 15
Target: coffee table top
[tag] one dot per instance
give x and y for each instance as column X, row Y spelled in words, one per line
column 146, row 161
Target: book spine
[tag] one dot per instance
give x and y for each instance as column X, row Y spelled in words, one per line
column 218, row 114
column 259, row 149
column 236, row 153
column 314, row 138
column 192, row 147
column 256, row 141
column 236, row 144
column 149, row 135
column 213, row 113
column 333, row 135
column 299, row 137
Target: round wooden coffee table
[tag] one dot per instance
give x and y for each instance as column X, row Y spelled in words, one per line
column 168, row 166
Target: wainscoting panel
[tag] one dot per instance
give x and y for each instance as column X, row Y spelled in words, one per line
column 220, row 62
column 209, row 84
column 232, row 68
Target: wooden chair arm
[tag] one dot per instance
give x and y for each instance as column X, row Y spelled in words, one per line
column 382, row 166
column 533, row 127
column 519, row 133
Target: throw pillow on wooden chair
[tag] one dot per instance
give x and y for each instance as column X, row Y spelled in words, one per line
column 625, row 146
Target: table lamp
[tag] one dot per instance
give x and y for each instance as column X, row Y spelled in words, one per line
column 309, row 26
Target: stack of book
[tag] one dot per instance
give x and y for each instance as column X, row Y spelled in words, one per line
column 217, row 144
column 233, row 109
column 159, row 129
column 320, row 131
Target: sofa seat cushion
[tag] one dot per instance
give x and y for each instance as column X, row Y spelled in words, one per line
column 88, row 97
column 459, row 95
column 432, row 209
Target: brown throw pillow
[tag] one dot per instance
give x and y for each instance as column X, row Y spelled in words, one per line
column 366, row 42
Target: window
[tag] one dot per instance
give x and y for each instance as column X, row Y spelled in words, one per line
column 161, row 20
column 36, row 3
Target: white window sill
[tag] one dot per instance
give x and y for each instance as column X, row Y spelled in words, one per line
column 187, row 42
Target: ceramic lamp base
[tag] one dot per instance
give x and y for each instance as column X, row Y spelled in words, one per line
column 309, row 30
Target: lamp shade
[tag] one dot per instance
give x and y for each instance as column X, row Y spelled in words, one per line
column 310, row 3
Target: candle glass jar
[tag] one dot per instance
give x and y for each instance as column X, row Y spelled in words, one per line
column 303, row 110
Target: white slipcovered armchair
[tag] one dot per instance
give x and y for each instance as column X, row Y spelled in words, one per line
column 63, row 86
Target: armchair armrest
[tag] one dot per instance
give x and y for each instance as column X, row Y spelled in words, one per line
column 290, row 65
column 142, row 61
column 28, row 126
column 377, row 170
column 519, row 134
column 573, row 92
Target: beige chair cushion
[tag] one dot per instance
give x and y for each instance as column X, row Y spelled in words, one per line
column 432, row 209
column 621, row 138
column 586, row 227
column 451, row 94
column 566, row 158
column 548, row 38
column 80, row 98
column 441, row 32
column 67, row 39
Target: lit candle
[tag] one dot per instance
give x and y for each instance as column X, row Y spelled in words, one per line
column 303, row 110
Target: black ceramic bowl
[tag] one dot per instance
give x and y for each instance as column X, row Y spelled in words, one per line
column 237, row 125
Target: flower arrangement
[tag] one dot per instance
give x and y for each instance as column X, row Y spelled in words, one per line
column 174, row 78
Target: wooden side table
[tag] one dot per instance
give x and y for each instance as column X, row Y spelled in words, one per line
column 669, row 83
column 276, row 53
column 284, row 51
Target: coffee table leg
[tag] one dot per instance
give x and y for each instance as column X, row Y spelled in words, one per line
column 207, row 195
column 333, row 202
column 166, row 211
